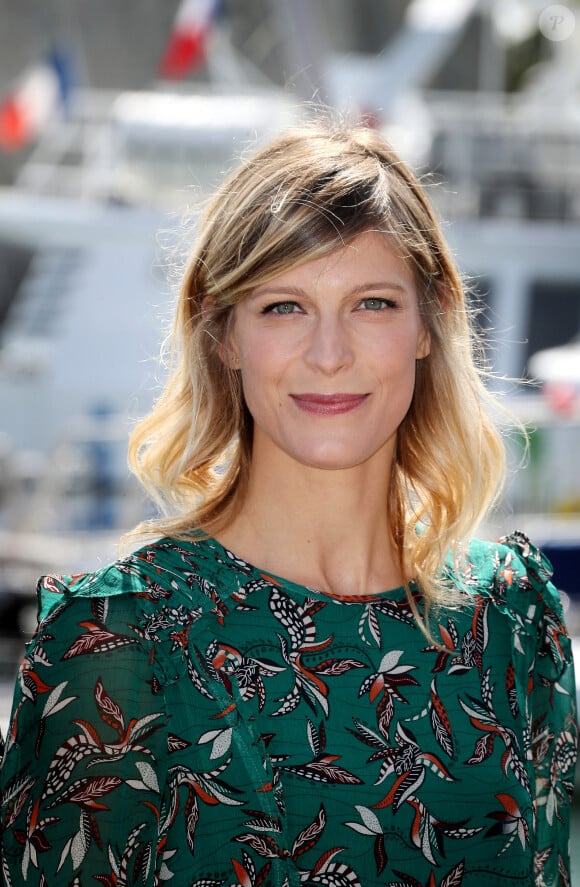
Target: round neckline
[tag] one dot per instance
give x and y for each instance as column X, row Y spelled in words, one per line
column 303, row 590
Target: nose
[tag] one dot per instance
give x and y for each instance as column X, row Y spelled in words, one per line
column 329, row 348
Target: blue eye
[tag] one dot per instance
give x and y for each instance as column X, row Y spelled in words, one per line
column 280, row 308
column 373, row 304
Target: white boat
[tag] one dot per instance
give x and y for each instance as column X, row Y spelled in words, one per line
column 100, row 213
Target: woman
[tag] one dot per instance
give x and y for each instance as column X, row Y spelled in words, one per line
column 311, row 676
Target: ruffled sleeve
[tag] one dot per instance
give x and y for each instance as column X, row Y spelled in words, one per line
column 83, row 771
column 551, row 699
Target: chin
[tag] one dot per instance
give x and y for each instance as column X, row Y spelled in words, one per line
column 332, row 461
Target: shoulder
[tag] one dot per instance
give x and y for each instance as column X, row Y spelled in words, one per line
column 515, row 578
column 512, row 574
column 138, row 609
column 511, row 570
column 185, row 572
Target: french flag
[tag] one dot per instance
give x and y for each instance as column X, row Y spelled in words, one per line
column 41, row 94
column 186, row 48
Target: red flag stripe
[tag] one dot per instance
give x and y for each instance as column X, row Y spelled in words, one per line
column 186, row 48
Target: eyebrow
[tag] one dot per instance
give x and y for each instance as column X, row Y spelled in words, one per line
column 371, row 286
column 379, row 286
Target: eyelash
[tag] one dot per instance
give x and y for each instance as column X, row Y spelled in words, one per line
column 272, row 309
column 387, row 303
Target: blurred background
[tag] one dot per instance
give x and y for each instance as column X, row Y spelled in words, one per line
column 117, row 120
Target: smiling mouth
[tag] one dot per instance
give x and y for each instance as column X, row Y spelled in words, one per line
column 328, row 404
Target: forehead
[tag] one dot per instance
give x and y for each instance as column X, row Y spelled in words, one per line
column 371, row 256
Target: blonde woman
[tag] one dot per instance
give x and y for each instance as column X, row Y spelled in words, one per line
column 310, row 674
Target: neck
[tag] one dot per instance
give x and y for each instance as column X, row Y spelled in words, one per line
column 322, row 528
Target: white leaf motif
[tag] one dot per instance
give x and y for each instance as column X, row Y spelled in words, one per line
column 78, row 848
column 148, row 775
column 390, row 659
column 52, row 704
column 208, row 737
column 361, row 829
column 221, row 744
column 370, row 820
column 64, row 854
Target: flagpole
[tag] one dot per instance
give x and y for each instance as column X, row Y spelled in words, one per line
column 304, row 47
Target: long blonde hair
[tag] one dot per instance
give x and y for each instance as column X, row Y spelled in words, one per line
column 308, row 192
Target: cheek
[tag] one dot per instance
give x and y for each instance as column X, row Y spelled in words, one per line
column 264, row 359
column 396, row 358
column 260, row 378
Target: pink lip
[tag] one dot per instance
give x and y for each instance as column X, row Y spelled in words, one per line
column 328, row 404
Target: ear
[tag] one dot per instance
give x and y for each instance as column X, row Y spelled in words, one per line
column 423, row 343
column 226, row 349
column 230, row 357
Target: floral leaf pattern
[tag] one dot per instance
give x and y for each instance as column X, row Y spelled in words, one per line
column 183, row 717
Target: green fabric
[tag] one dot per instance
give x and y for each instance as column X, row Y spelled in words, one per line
column 181, row 717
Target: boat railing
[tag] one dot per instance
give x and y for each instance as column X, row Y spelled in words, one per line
column 504, row 156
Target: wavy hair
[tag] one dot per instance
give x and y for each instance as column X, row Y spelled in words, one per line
column 310, row 191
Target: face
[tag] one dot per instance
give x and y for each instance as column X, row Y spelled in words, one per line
column 327, row 356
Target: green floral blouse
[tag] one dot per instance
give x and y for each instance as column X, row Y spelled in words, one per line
column 182, row 717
